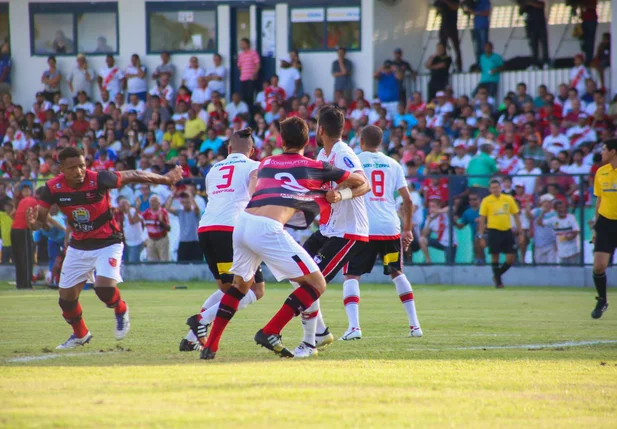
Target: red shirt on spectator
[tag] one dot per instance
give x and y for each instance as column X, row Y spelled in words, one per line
column 100, row 165
column 157, row 223
column 80, row 127
column 19, row 222
column 274, row 93
column 436, row 192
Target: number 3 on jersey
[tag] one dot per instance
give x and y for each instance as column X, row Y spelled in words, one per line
column 226, row 177
column 378, row 183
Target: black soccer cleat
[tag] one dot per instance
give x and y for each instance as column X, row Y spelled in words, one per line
column 207, row 354
column 601, row 307
column 188, row 346
column 272, row 342
column 498, row 282
column 200, row 331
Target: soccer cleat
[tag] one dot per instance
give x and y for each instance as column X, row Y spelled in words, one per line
column 601, row 307
column 498, row 282
column 352, row 334
column 200, row 331
column 207, row 354
column 272, row 342
column 305, row 350
column 73, row 342
column 188, row 346
column 415, row 332
column 123, row 324
column 324, row 339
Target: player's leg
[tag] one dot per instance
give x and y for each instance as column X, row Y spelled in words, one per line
column 509, row 248
column 107, row 265
column 600, row 263
column 495, row 247
column 76, row 271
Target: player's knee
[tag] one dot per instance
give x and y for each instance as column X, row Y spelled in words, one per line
column 317, row 281
column 599, row 267
column 423, row 241
column 67, row 305
column 259, row 289
column 395, row 273
column 241, row 285
column 69, row 294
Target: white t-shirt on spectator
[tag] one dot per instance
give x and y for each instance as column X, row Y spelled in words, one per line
column 200, row 96
column 442, row 110
column 562, row 227
column 233, row 110
column 162, row 191
column 555, row 144
column 167, row 93
column 356, row 114
column 440, row 227
column 217, row 85
column 133, row 234
column 287, row 80
column 190, row 77
column 135, row 84
column 466, row 143
column 528, row 182
column 462, row 161
column 177, row 117
column 509, row 165
column 579, row 135
column 576, row 169
column 112, row 80
column 87, row 107
column 591, row 108
column 125, row 191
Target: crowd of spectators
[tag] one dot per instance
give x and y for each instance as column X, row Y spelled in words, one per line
column 539, row 140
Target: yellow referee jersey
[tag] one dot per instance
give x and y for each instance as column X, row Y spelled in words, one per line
column 605, row 187
column 498, row 211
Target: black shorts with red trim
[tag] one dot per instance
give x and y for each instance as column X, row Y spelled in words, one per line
column 332, row 253
column 389, row 251
column 217, row 247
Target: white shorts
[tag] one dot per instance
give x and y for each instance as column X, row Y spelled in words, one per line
column 79, row 265
column 257, row 239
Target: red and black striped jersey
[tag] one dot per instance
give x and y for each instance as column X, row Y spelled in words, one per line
column 292, row 180
column 87, row 209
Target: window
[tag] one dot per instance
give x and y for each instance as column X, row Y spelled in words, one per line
column 181, row 26
column 71, row 28
column 320, row 28
column 4, row 25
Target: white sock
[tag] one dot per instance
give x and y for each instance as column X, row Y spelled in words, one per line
column 321, row 325
column 351, row 299
column 213, row 299
column 405, row 293
column 208, row 316
column 191, row 337
column 309, row 323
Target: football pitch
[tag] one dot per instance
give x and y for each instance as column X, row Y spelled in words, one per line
column 518, row 357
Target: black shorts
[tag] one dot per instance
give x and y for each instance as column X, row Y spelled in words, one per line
column 501, row 242
column 606, row 235
column 217, row 247
column 332, row 253
column 363, row 262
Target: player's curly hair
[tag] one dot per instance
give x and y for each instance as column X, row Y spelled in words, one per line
column 69, row 152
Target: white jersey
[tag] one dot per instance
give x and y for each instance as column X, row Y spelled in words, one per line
column 348, row 218
column 385, row 176
column 227, row 186
column 563, row 227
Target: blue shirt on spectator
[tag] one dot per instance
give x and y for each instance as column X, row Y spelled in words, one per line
column 469, row 218
column 407, row 117
column 481, row 21
column 6, row 63
column 388, row 88
column 487, row 64
column 211, row 144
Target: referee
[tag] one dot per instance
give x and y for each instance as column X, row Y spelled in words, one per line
column 605, row 229
column 496, row 212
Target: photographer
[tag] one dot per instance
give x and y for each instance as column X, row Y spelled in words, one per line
column 481, row 11
column 448, row 9
column 536, row 29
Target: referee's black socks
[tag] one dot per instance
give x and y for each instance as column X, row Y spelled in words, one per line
column 600, row 281
column 496, row 270
column 505, row 267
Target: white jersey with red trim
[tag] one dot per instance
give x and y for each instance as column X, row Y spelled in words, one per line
column 385, row 176
column 349, row 218
column 227, row 186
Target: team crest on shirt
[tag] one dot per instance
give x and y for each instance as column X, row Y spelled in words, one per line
column 318, row 258
column 113, row 262
column 58, row 185
column 81, row 215
column 348, row 162
column 92, row 183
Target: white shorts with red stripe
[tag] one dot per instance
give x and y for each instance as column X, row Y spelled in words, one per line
column 257, row 239
column 79, row 265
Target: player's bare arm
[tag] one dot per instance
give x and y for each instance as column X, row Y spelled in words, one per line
column 169, row 179
column 37, row 218
column 407, row 236
column 252, row 182
column 356, row 182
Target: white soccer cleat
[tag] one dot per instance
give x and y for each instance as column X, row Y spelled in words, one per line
column 123, row 324
column 73, row 342
column 352, row 334
column 305, row 350
column 415, row 332
column 323, row 341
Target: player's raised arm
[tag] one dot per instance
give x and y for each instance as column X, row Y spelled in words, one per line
column 169, row 179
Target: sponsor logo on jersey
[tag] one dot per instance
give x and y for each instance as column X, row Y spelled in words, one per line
column 348, row 162
column 81, row 215
column 290, row 183
column 113, row 262
column 65, row 200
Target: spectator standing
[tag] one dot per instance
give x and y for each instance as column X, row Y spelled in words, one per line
column 191, row 74
column 289, row 78
column 21, row 240
column 249, row 64
column 470, row 217
column 537, row 32
column 135, row 79
column 297, row 64
column 544, row 251
column 6, row 65
column 81, row 78
column 133, row 229
column 388, row 79
column 449, row 29
column 589, row 18
column 602, row 60
column 188, row 218
column 481, row 23
column 439, row 66
column 491, row 65
column 342, row 70
column 110, row 77
column 51, row 79
column 157, row 224
column 165, row 68
column 566, row 230
column 484, row 166
column 215, row 77
column 405, row 68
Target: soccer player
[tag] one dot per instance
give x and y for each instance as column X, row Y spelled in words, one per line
column 496, row 211
column 96, row 241
column 343, row 233
column 288, row 193
column 385, row 177
column 605, row 229
column 229, row 186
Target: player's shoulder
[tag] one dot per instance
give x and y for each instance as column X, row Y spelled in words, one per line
column 604, row 170
column 56, row 182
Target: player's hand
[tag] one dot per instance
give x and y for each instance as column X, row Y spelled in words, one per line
column 174, row 175
column 407, row 239
column 32, row 213
column 333, row 196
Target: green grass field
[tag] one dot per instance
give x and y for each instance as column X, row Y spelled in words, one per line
column 560, row 369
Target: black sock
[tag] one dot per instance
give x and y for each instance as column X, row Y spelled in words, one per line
column 505, row 267
column 496, row 271
column 600, row 281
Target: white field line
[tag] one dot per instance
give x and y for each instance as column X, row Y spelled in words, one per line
column 529, row 346
column 50, row 356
